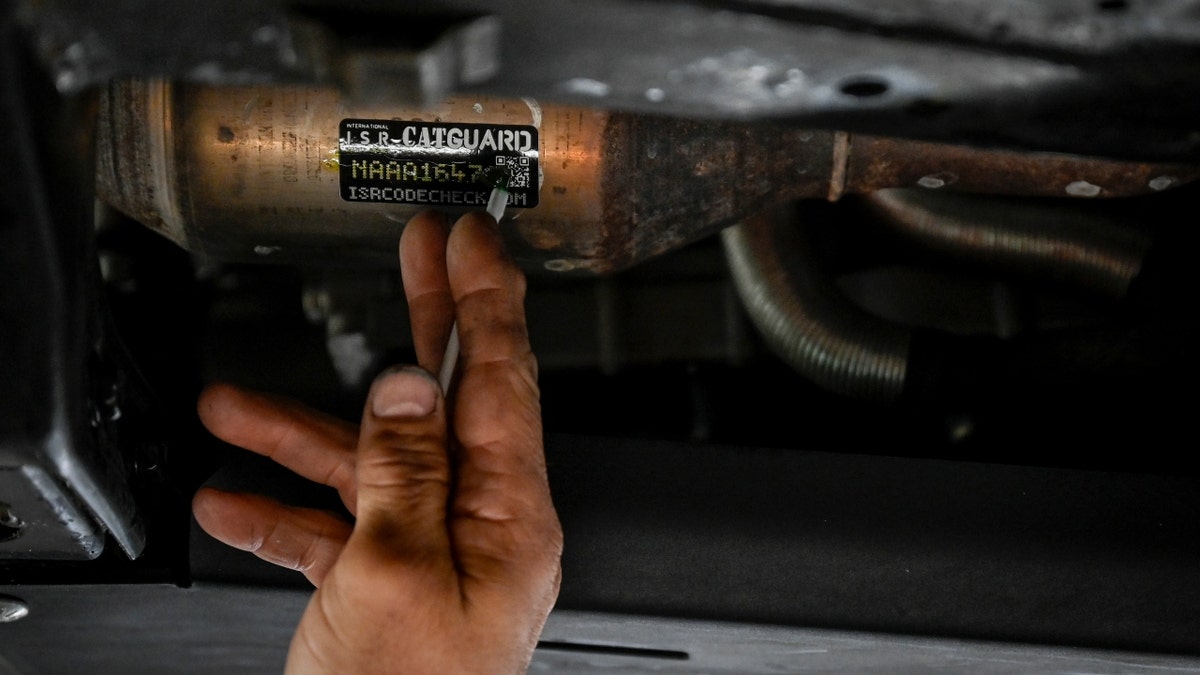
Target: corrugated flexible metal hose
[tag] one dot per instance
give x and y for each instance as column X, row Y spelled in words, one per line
column 808, row 323
column 805, row 320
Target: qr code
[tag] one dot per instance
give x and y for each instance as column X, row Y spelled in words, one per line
column 518, row 170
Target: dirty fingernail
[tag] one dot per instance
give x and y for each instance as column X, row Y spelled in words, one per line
column 404, row 392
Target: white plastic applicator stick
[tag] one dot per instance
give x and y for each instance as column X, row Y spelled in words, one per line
column 450, row 360
column 497, row 201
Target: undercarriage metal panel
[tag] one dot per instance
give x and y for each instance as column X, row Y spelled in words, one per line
column 1104, row 77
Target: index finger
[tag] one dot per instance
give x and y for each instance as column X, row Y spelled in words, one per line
column 426, row 287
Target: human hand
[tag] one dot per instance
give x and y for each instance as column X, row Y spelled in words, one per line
column 452, row 563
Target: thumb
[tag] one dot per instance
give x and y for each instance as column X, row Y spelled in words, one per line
column 403, row 465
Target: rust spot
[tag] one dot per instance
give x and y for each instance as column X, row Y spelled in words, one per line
column 877, row 163
column 225, row 135
column 540, row 237
column 715, row 174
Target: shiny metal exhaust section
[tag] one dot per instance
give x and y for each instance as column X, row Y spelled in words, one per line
column 255, row 173
column 252, row 174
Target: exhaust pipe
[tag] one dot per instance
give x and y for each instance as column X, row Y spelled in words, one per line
column 300, row 175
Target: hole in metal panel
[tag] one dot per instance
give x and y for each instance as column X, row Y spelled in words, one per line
column 864, row 87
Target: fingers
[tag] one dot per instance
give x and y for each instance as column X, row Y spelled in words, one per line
column 489, row 291
column 427, row 286
column 403, row 468
column 503, row 520
column 306, row 540
column 314, row 445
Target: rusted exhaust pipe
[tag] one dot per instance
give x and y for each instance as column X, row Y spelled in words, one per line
column 1045, row 240
column 244, row 174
